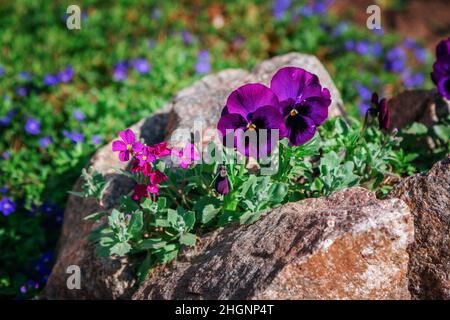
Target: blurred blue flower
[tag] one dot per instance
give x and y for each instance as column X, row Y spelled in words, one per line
column 3, row 189
column 120, row 71
column 73, row 136
column 320, row 7
column 44, row 142
column 363, row 107
column 6, row 155
column 420, row 54
column 7, row 206
column 5, row 120
column 202, row 65
column 378, row 32
column 66, row 75
column 349, row 45
column 362, row 47
column 363, row 91
column 141, row 65
column 21, row 91
column 51, row 79
column 25, row 75
column 79, row 115
column 376, row 49
column 187, row 38
column 340, row 28
column 396, row 59
column 279, row 8
column 2, row 71
column 156, row 14
column 33, row 126
column 411, row 80
column 96, row 140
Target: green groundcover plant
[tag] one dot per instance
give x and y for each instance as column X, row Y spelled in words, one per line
column 63, row 93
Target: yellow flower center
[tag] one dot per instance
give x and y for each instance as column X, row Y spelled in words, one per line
column 144, row 158
column 129, row 147
column 293, row 113
column 251, row 126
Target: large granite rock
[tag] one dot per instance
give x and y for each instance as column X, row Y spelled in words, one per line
column 347, row 246
column 428, row 197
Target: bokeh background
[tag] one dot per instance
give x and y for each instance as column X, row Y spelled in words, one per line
column 64, row 93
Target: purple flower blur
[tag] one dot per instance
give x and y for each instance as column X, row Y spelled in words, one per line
column 120, row 71
column 141, row 65
column 44, row 142
column 66, row 75
column 51, row 79
column 187, row 38
column 96, row 140
column 303, row 102
column 441, row 68
column 202, row 65
column 2, row 71
column 33, row 126
column 251, row 107
column 7, row 206
column 79, row 115
column 73, row 136
column 279, row 8
column 5, row 120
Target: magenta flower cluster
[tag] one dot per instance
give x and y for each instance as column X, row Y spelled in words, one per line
column 295, row 105
column 144, row 158
column 441, row 68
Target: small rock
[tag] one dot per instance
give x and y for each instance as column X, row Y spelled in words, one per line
column 428, row 197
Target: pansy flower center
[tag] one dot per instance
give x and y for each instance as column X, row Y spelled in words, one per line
column 293, row 113
column 251, row 126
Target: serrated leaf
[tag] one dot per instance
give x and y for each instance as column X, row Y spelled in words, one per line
column 188, row 239
column 209, row 212
column 120, row 249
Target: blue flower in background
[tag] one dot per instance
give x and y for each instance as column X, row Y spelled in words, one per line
column 349, row 45
column 66, row 75
column 363, row 91
column 341, row 28
column 363, row 107
column 79, row 115
column 120, row 71
column 33, row 126
column 44, row 142
column 2, row 71
column 73, row 136
column 96, row 140
column 51, row 80
column 187, row 38
column 202, row 66
column 7, row 206
column 396, row 59
column 4, row 121
column 362, row 47
column 6, row 155
column 411, row 80
column 3, row 189
column 141, row 65
column 420, row 54
column 22, row 91
column 25, row 75
column 279, row 8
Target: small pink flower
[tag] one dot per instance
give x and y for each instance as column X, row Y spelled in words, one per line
column 160, row 149
column 187, row 155
column 145, row 156
column 127, row 146
column 153, row 189
column 157, row 177
column 140, row 191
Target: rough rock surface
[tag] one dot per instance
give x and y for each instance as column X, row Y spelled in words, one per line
column 428, row 197
column 416, row 106
column 347, row 246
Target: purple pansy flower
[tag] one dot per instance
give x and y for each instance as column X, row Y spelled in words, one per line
column 222, row 185
column 141, row 65
column 44, row 142
column 303, row 102
column 441, row 68
column 120, row 71
column 33, row 126
column 202, row 65
column 251, row 107
column 7, row 206
column 382, row 109
column 128, row 145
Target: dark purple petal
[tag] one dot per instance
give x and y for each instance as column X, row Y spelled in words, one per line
column 231, row 121
column 443, row 48
column 269, row 118
column 444, row 87
column 316, row 109
column 300, row 130
column 124, row 156
column 384, row 116
column 222, row 185
column 289, row 82
column 248, row 98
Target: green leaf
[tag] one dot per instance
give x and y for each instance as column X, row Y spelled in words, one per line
column 189, row 219
column 95, row 216
column 120, row 249
column 277, row 192
column 172, row 216
column 209, row 212
column 145, row 268
column 188, row 239
column 153, row 243
column 136, row 224
column 443, row 132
